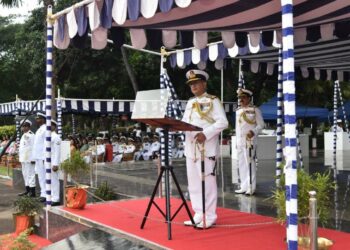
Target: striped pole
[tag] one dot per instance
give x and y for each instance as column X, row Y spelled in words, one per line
column 59, row 114
column 18, row 132
column 73, row 124
column 48, row 111
column 279, row 121
column 336, row 83
column 335, row 114
column 290, row 124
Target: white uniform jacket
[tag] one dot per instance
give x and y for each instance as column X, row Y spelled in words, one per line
column 211, row 118
column 25, row 147
column 38, row 152
column 55, row 149
column 248, row 118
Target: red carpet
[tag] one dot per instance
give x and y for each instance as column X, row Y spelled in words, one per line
column 127, row 216
column 6, row 241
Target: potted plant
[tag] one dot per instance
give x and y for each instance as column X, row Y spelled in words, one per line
column 25, row 210
column 105, row 192
column 21, row 241
column 75, row 196
column 323, row 185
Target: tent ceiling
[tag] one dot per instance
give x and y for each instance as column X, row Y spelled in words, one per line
column 165, row 22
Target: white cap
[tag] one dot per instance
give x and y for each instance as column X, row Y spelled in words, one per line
column 242, row 92
column 26, row 121
column 196, row 74
column 54, row 122
column 339, row 121
column 40, row 115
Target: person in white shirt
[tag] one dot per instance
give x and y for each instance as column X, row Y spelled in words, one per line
column 25, row 158
column 249, row 123
column 38, row 154
column 155, row 147
column 55, row 163
column 204, row 111
column 146, row 149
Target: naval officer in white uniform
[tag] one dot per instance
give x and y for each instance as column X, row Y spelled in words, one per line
column 25, row 158
column 249, row 123
column 38, row 154
column 205, row 111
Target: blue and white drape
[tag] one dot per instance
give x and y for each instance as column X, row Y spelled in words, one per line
column 279, row 152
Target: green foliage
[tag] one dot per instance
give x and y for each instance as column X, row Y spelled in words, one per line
column 105, row 192
column 321, row 183
column 25, row 205
column 22, row 242
column 7, row 130
column 75, row 165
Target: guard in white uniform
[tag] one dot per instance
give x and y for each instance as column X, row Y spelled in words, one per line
column 55, row 163
column 38, row 154
column 25, row 158
column 146, row 149
column 249, row 123
column 205, row 111
column 155, row 147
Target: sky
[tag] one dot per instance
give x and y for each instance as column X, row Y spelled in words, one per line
column 23, row 10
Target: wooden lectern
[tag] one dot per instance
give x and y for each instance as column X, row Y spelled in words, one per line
column 167, row 124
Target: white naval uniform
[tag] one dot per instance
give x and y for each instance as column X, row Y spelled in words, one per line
column 212, row 127
column 55, row 161
column 155, row 147
column 248, row 118
column 38, row 154
column 146, row 151
column 25, row 158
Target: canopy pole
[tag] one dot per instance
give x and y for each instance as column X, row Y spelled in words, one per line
column 49, row 60
column 279, row 120
column 290, row 124
column 59, row 113
column 67, row 10
column 18, row 133
column 221, row 138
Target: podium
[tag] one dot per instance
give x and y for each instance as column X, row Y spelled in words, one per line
column 167, row 124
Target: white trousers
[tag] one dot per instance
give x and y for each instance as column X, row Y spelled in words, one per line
column 28, row 171
column 40, row 170
column 55, row 186
column 195, row 187
column 243, row 166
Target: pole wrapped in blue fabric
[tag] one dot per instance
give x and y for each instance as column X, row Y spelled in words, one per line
column 48, row 106
column 290, row 124
column 59, row 114
column 335, row 115
column 279, row 121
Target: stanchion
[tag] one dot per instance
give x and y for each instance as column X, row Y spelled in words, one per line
column 313, row 220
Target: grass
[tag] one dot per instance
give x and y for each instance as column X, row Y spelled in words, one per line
column 3, row 171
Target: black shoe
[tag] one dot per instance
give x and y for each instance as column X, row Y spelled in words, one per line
column 55, row 203
column 24, row 193
column 31, row 192
column 42, row 199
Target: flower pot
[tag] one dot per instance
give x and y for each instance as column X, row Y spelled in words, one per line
column 23, row 222
column 76, row 197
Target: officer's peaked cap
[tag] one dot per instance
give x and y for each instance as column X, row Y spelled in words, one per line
column 195, row 75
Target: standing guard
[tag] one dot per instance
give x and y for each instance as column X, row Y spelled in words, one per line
column 249, row 122
column 38, row 154
column 25, row 158
column 202, row 148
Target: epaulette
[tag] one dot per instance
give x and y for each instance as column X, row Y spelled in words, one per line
column 211, row 96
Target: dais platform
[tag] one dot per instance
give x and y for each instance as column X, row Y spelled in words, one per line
column 234, row 229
